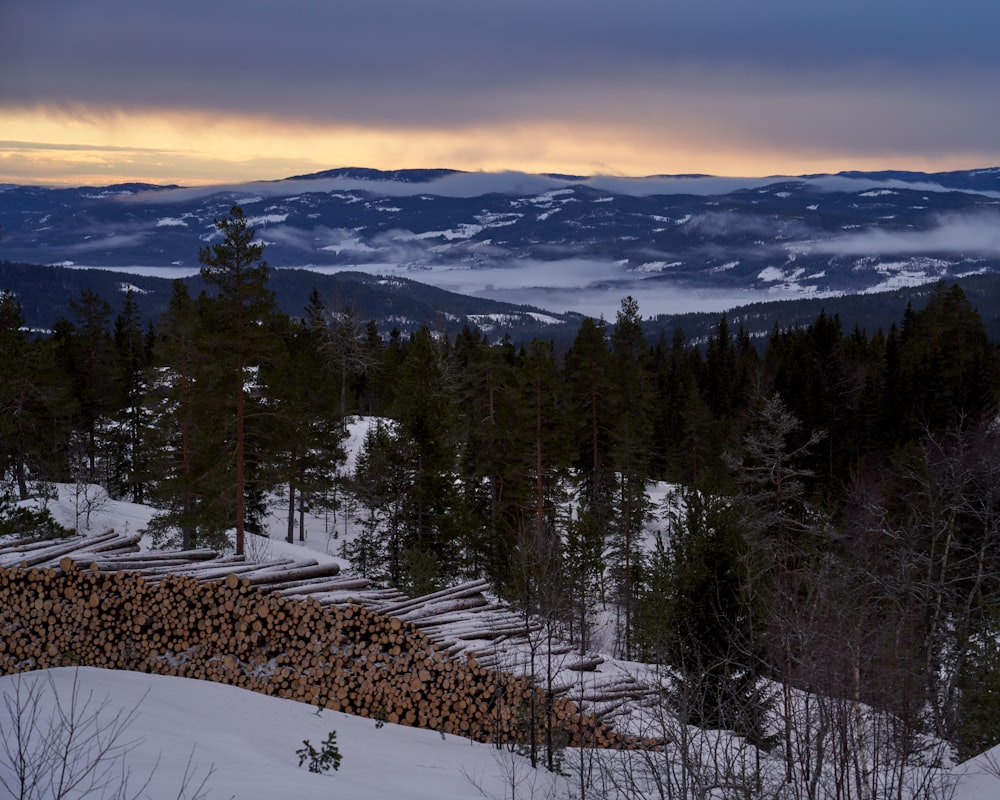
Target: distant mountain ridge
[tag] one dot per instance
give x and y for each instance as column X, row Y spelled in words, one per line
column 392, row 303
column 401, row 304
column 494, row 236
column 848, row 232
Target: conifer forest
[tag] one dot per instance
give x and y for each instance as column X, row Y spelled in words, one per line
column 833, row 522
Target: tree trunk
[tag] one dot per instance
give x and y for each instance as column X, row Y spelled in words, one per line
column 240, row 461
column 290, row 537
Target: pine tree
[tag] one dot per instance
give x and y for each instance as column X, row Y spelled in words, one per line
column 183, row 436
column 632, row 379
column 236, row 319
column 36, row 403
column 493, row 422
column 131, row 363
column 90, row 354
column 424, row 410
column 308, row 430
column 587, row 376
column 14, row 390
column 540, row 390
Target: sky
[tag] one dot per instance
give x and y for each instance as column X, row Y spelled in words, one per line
column 192, row 93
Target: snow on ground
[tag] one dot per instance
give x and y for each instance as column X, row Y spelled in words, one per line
column 87, row 509
column 251, row 740
column 979, row 777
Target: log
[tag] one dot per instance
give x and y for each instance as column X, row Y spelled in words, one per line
column 56, row 551
column 285, row 642
column 462, row 590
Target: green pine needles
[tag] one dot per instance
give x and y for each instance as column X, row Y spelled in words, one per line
column 323, row 760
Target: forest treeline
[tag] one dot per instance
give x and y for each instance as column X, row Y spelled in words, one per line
column 835, row 524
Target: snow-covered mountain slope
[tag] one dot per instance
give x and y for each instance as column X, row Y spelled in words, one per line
column 542, row 239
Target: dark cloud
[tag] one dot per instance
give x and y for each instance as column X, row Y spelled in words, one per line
column 376, row 58
column 886, row 78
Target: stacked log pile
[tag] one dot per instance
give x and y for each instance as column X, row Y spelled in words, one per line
column 246, row 631
column 463, row 621
column 33, row 552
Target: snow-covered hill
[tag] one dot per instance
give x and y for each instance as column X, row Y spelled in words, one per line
column 249, row 742
column 244, row 745
column 556, row 242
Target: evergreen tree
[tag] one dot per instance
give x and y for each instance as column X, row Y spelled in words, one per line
column 90, row 355
column 947, row 371
column 308, row 430
column 493, row 428
column 587, row 375
column 132, row 362
column 236, row 320
column 694, row 614
column 632, row 379
column 36, row 405
column 779, row 530
column 184, row 437
column 540, row 393
column 382, row 477
column 424, row 410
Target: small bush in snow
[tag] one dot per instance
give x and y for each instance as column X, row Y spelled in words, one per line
column 322, row 760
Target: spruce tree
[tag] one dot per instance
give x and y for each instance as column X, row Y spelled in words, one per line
column 693, row 614
column 308, row 430
column 780, row 533
column 493, row 422
column 36, row 403
column 947, row 371
column 183, row 434
column 590, row 411
column 589, row 399
column 131, row 364
column 90, row 354
column 382, row 478
column 425, row 412
column 632, row 379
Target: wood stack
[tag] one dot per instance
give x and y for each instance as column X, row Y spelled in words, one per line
column 462, row 621
column 340, row 656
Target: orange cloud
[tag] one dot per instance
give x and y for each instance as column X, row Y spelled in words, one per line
column 93, row 146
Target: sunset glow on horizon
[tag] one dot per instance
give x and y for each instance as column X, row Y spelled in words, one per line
column 191, row 149
column 192, row 94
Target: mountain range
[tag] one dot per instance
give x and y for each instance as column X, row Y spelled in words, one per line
column 562, row 245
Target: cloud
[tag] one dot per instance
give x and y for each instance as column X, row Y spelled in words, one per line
column 688, row 65
column 112, row 241
column 290, row 55
column 733, row 223
column 976, row 234
column 624, row 88
column 584, row 286
column 476, row 184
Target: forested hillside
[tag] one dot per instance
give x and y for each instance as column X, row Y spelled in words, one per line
column 839, row 523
